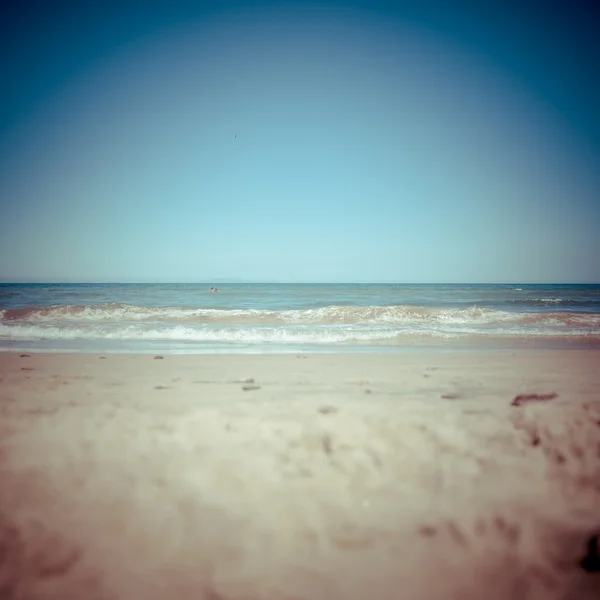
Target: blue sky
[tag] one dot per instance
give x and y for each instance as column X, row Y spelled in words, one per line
column 401, row 142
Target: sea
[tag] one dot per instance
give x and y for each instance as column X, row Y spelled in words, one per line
column 185, row 318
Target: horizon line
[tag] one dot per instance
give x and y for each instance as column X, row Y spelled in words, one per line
column 258, row 282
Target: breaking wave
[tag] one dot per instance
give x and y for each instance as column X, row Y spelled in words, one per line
column 334, row 324
column 327, row 315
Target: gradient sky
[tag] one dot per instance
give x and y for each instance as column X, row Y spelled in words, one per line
column 401, row 142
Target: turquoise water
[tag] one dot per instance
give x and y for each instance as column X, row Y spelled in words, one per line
column 295, row 317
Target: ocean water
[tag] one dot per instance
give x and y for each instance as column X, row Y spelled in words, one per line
column 186, row 318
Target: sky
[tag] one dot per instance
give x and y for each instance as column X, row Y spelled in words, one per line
column 300, row 141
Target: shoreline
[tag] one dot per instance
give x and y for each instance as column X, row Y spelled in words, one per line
column 487, row 344
column 337, row 476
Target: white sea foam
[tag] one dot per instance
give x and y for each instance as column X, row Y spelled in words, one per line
column 248, row 334
column 179, row 332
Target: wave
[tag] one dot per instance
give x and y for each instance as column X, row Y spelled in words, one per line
column 254, row 335
column 181, row 333
column 541, row 301
column 401, row 315
column 334, row 325
column 569, row 302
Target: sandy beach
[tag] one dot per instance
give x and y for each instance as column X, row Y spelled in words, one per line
column 423, row 475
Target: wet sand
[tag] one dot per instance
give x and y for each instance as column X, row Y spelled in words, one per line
column 421, row 475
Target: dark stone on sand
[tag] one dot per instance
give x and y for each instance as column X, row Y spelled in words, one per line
column 247, row 388
column 25, row 355
column 591, row 561
column 158, row 357
column 102, row 357
column 327, row 410
column 523, row 398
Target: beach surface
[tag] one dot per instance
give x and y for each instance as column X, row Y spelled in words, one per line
column 417, row 475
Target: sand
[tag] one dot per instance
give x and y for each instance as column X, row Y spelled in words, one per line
column 289, row 477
